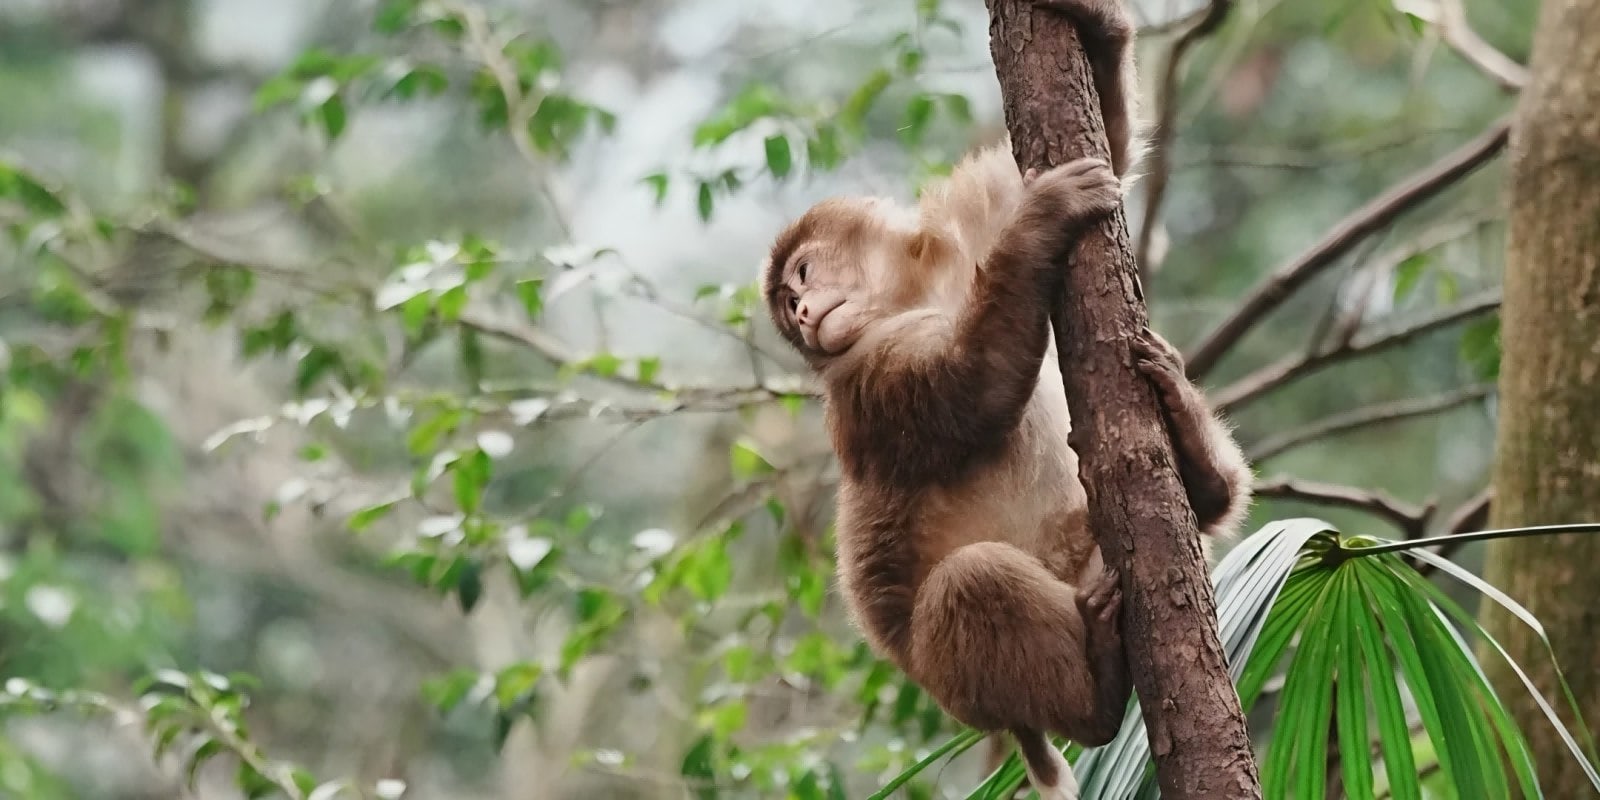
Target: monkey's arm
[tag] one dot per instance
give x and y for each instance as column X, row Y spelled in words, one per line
column 946, row 399
column 1215, row 474
column 1107, row 34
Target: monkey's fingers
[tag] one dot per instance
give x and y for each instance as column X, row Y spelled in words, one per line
column 1084, row 166
column 1167, row 379
column 1149, row 344
column 1029, row 176
column 1108, row 614
column 1105, row 589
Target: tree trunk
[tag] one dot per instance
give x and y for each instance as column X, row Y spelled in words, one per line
column 1137, row 505
column 1547, row 466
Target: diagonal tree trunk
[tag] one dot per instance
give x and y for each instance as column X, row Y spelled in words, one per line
column 1137, row 505
column 1547, row 466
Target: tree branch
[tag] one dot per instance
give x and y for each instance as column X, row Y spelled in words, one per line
column 1412, row 520
column 1352, row 230
column 1367, row 416
column 1137, row 506
column 1449, row 17
column 1292, row 367
column 1161, row 137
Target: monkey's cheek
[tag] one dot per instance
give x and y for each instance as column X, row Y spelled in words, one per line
column 837, row 332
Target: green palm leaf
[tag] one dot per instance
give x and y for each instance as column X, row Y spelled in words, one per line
column 1369, row 641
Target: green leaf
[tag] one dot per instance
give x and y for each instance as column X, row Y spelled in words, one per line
column 363, row 519
column 28, row 191
column 471, row 475
column 1393, row 733
column 316, row 362
column 515, row 682
column 469, row 584
column 603, row 364
column 778, row 155
column 332, row 115
column 1407, row 273
column 699, row 767
column 824, row 150
column 276, row 91
column 531, row 293
column 706, row 203
column 919, row 110
column 647, row 368
column 1350, row 692
column 1480, row 347
column 746, row 461
column 708, row 571
column 754, row 101
column 446, row 692
column 658, row 186
column 958, row 107
column 855, row 109
column 394, row 16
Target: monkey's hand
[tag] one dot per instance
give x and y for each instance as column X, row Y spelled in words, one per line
column 1082, row 190
column 1162, row 365
column 1201, row 445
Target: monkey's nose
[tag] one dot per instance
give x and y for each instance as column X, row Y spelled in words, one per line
column 803, row 313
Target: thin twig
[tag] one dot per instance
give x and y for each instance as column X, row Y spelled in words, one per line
column 1449, row 17
column 1352, row 230
column 519, row 109
column 1367, row 416
column 1289, row 368
column 1413, row 520
column 1161, row 137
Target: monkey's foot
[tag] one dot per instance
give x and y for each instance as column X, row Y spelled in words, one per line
column 1100, row 602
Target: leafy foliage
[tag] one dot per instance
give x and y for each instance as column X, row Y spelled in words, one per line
column 430, row 407
column 1373, row 635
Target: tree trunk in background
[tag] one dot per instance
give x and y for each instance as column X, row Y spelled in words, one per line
column 1137, row 506
column 1547, row 467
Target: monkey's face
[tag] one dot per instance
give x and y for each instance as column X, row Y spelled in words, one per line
column 817, row 300
column 835, row 272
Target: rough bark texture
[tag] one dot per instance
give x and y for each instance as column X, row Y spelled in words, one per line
column 1136, row 503
column 1547, row 468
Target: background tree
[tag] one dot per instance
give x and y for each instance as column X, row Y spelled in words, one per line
column 1548, row 445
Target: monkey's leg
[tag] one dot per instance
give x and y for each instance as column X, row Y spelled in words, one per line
column 1001, row 644
column 1214, row 472
column 1107, row 34
column 1108, row 664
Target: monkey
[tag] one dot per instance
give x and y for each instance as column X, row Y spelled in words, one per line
column 965, row 556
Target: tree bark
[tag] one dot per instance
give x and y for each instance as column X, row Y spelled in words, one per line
column 1547, row 468
column 1137, row 506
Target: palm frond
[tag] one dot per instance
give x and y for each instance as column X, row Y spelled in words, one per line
column 1370, row 644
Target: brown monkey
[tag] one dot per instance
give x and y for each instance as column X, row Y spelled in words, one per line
column 964, row 552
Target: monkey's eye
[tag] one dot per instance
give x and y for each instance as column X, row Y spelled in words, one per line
column 802, row 270
column 794, row 303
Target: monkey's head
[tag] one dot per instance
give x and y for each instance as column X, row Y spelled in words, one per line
column 841, row 268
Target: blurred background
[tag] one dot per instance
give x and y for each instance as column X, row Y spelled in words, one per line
column 402, row 361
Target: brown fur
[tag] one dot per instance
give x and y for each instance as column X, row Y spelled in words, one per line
column 964, row 549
